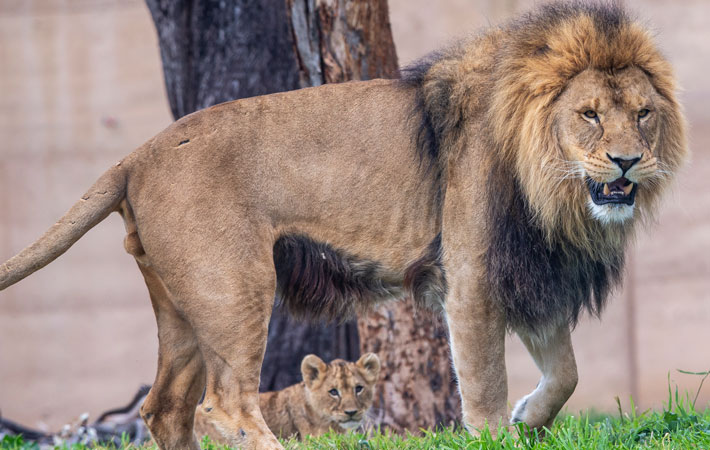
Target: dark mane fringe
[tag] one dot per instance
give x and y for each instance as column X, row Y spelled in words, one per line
column 425, row 278
column 414, row 73
column 430, row 116
column 540, row 283
column 428, row 112
column 316, row 281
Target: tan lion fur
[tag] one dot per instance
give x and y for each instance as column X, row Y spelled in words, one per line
column 309, row 407
column 467, row 179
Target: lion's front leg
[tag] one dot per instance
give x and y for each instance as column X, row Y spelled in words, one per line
column 477, row 338
column 554, row 357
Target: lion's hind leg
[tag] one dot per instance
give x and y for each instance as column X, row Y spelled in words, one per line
column 169, row 408
column 231, row 323
column 554, row 356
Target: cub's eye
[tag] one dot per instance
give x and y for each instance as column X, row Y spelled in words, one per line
column 358, row 389
column 334, row 393
column 590, row 114
column 643, row 113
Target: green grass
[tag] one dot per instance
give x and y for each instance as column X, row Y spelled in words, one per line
column 678, row 426
column 675, row 428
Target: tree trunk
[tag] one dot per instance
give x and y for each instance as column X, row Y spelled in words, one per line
column 215, row 51
column 417, row 387
column 218, row 51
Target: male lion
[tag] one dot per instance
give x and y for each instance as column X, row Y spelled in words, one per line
column 334, row 396
column 501, row 179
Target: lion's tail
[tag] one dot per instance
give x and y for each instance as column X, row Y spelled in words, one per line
column 103, row 198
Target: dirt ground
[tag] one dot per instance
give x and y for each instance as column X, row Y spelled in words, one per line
column 80, row 86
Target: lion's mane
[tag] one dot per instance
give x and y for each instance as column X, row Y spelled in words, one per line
column 546, row 260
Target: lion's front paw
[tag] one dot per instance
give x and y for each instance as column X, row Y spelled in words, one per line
column 518, row 414
column 536, row 409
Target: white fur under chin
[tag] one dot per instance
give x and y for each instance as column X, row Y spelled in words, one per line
column 351, row 425
column 610, row 213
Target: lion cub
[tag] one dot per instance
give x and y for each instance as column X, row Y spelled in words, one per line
column 333, row 396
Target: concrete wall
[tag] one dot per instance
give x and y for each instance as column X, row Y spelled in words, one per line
column 81, row 86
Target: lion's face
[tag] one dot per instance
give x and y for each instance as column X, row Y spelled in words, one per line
column 608, row 128
column 341, row 392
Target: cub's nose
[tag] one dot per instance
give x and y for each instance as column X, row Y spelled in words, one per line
column 351, row 413
column 624, row 163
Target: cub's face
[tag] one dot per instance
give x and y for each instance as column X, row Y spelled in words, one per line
column 341, row 392
column 608, row 126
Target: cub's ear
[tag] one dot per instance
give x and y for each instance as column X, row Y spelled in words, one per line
column 312, row 368
column 370, row 364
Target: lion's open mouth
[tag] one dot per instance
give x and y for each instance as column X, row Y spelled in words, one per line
column 620, row 191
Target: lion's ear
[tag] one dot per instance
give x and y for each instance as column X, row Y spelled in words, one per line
column 312, row 368
column 370, row 364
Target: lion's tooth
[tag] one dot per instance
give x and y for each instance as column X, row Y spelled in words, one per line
column 606, row 189
column 627, row 189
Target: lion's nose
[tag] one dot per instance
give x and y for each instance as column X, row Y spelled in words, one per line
column 624, row 163
column 351, row 413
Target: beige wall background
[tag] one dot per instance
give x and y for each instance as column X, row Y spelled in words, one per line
column 81, row 86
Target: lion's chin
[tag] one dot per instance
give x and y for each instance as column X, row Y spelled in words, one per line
column 610, row 212
column 350, row 424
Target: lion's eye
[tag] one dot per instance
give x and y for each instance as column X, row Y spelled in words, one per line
column 590, row 114
column 643, row 113
column 358, row 389
column 334, row 393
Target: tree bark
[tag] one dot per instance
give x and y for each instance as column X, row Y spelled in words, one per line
column 417, row 388
column 342, row 40
column 214, row 51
